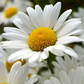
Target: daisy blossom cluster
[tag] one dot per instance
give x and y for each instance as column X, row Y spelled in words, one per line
column 35, row 48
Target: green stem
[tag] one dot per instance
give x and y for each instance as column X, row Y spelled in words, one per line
column 50, row 65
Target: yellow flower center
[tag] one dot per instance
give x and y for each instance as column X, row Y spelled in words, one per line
column 10, row 12
column 9, row 65
column 41, row 38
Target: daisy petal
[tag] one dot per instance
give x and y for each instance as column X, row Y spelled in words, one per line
column 14, row 44
column 69, row 39
column 13, row 70
column 71, row 74
column 55, row 14
column 44, row 54
column 61, row 62
column 33, row 17
column 54, row 80
column 70, row 26
column 20, row 25
column 15, row 30
column 64, row 78
column 21, row 74
column 57, row 52
column 70, row 52
column 39, row 13
column 13, row 36
column 21, row 54
column 26, row 20
column 78, row 75
column 72, row 33
column 34, row 58
column 47, row 82
column 47, row 15
column 61, row 19
column 31, row 81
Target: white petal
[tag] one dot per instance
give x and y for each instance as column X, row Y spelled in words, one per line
column 74, row 62
column 47, row 82
column 15, row 30
column 14, row 44
column 57, row 52
column 47, row 15
column 39, row 14
column 56, row 49
column 56, row 65
column 26, row 20
column 71, row 75
column 67, row 28
column 68, row 39
column 61, row 19
column 20, row 25
column 31, row 81
column 33, row 17
column 55, row 14
column 78, row 75
column 54, row 80
column 21, row 54
column 44, row 54
column 71, row 33
column 70, row 52
column 34, row 58
column 61, row 62
column 57, row 46
column 13, row 70
column 21, row 74
column 14, row 36
column 64, row 78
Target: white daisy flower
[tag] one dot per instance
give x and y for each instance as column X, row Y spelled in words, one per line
column 66, row 64
column 11, row 9
column 41, row 32
column 17, row 75
column 73, row 77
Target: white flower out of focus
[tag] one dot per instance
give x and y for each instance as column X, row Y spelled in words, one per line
column 73, row 77
column 80, row 14
column 11, row 10
column 66, row 64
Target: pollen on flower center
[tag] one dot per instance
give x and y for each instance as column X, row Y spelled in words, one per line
column 10, row 12
column 41, row 38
